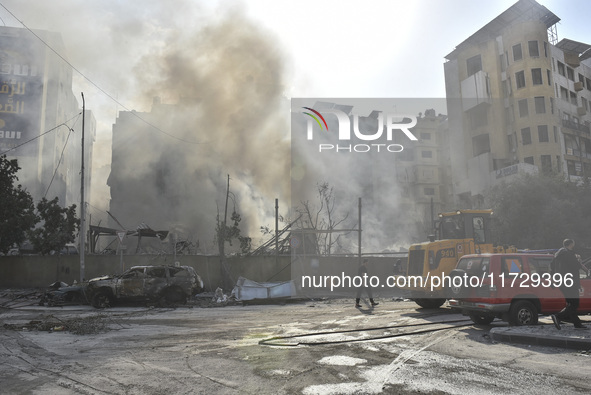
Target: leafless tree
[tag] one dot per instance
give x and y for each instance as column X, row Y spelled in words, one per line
column 322, row 218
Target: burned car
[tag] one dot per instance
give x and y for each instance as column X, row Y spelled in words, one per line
column 60, row 294
column 163, row 285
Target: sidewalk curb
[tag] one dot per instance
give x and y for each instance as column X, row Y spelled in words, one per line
column 507, row 336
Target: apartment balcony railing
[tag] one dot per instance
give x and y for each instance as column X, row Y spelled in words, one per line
column 575, row 126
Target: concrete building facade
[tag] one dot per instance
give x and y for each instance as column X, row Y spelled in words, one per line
column 40, row 119
column 518, row 102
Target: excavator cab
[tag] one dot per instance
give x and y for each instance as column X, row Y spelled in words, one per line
column 458, row 233
column 465, row 224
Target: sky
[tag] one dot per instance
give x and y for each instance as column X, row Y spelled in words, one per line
column 332, row 48
column 320, row 48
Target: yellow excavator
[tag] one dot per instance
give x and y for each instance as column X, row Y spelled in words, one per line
column 458, row 233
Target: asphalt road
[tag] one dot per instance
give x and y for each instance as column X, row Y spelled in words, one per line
column 216, row 350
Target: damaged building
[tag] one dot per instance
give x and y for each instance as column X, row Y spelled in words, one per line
column 40, row 118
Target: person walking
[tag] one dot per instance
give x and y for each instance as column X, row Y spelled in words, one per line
column 362, row 272
column 568, row 265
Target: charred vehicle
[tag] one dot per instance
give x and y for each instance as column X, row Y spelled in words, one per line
column 165, row 285
column 60, row 294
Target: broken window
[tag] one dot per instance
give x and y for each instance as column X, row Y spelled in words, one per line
column 157, row 272
column 474, row 65
column 134, row 273
column 178, row 272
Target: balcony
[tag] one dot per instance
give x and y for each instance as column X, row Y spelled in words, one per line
column 579, row 86
column 578, row 154
column 577, row 127
column 581, row 111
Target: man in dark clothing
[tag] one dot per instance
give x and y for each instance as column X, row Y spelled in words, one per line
column 568, row 265
column 362, row 272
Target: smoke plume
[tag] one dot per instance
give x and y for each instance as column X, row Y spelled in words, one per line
column 219, row 80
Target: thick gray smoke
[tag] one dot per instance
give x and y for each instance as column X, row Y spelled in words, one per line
column 225, row 82
column 220, row 81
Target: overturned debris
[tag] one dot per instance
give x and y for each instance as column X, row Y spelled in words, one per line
column 246, row 289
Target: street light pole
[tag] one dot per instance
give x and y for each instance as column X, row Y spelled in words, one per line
column 82, row 232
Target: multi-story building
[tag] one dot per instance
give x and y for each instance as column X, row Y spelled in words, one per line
column 422, row 169
column 40, row 119
column 518, row 101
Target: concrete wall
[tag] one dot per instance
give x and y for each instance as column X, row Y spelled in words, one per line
column 39, row 271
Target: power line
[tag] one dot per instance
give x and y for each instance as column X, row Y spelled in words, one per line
column 41, row 135
column 94, row 84
column 61, row 156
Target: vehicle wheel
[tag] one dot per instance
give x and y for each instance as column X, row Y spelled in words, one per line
column 481, row 319
column 173, row 296
column 101, row 300
column 430, row 303
column 523, row 312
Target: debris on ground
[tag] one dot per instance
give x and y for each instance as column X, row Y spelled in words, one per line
column 90, row 325
column 13, row 298
column 219, row 296
column 246, row 289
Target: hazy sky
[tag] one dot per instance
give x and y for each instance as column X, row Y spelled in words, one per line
column 386, row 48
column 333, row 48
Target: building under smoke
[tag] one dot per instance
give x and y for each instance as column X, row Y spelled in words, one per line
column 40, row 119
column 403, row 184
column 162, row 181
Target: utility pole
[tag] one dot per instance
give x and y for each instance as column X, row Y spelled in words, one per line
column 359, row 233
column 276, row 230
column 225, row 271
column 82, row 232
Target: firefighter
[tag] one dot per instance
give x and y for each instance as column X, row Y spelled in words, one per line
column 362, row 272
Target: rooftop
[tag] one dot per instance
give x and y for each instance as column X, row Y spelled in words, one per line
column 523, row 10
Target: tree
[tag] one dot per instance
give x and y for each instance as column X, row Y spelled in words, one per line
column 225, row 233
column 539, row 211
column 17, row 211
column 59, row 226
column 231, row 233
column 321, row 219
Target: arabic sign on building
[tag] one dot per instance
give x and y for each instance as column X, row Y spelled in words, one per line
column 21, row 91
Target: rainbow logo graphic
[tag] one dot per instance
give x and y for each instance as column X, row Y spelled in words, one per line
column 315, row 118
